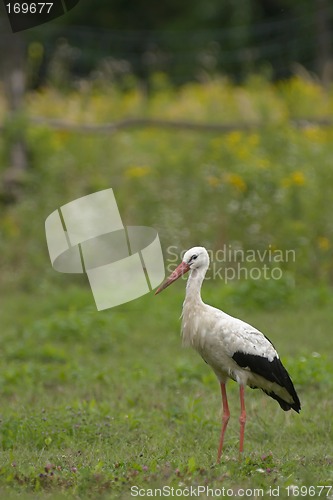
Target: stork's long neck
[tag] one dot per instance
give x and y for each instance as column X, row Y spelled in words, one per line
column 193, row 287
column 191, row 307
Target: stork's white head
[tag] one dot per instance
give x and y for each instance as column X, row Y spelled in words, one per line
column 195, row 258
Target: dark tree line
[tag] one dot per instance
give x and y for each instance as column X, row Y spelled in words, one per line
column 186, row 39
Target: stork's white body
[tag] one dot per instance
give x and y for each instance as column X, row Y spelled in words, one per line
column 217, row 336
column 234, row 349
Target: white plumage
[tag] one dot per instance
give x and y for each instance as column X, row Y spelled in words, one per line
column 233, row 348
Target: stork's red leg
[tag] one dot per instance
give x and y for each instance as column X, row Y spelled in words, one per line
column 225, row 419
column 242, row 418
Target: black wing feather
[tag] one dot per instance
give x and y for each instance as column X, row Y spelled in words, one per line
column 273, row 371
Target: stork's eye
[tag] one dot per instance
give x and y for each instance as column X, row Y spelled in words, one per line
column 193, row 257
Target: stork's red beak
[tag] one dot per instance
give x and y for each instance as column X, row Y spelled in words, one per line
column 177, row 273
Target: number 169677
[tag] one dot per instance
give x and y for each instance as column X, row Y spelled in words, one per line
column 29, row 8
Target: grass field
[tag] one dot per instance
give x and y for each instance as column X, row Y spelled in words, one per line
column 95, row 403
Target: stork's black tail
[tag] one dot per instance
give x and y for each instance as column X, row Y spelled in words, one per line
column 296, row 405
column 282, row 378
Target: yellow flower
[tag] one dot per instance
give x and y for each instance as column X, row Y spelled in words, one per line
column 234, row 138
column 297, row 178
column 236, row 181
column 242, row 153
column 323, row 243
column 241, row 145
column 136, row 171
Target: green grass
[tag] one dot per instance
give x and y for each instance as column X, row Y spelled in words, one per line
column 95, row 403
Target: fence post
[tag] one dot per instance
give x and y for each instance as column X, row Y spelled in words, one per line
column 12, row 48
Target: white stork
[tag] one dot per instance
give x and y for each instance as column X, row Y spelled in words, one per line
column 233, row 348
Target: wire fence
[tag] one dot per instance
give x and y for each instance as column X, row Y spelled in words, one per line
column 272, row 45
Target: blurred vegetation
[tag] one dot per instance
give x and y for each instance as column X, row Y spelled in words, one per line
column 266, row 189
